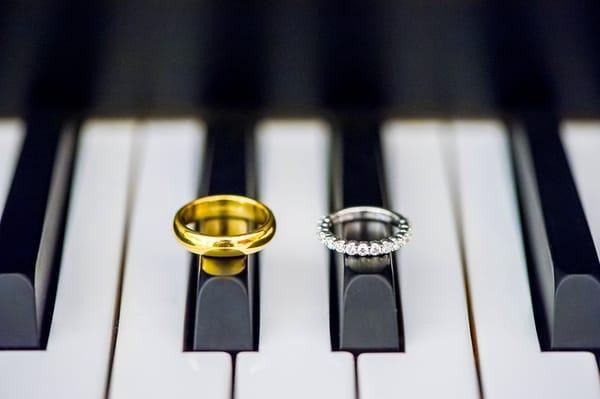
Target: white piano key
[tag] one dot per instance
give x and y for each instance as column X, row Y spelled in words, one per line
column 582, row 143
column 438, row 361
column 511, row 362
column 11, row 135
column 149, row 360
column 76, row 361
column 294, row 358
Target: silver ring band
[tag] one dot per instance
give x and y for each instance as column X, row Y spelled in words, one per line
column 364, row 248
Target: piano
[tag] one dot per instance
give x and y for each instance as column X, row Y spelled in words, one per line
column 480, row 121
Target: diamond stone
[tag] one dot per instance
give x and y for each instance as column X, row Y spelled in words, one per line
column 363, row 249
column 387, row 246
column 375, row 249
column 340, row 245
column 329, row 242
column 351, row 248
column 402, row 241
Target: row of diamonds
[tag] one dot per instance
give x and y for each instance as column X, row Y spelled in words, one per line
column 363, row 248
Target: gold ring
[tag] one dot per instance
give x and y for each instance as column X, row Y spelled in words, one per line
column 227, row 226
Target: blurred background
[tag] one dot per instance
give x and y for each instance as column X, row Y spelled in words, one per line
column 421, row 58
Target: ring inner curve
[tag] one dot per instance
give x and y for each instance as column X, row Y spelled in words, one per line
column 364, row 214
column 224, row 217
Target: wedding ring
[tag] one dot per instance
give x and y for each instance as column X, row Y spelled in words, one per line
column 224, row 226
column 398, row 239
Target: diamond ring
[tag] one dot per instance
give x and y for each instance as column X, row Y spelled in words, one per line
column 398, row 239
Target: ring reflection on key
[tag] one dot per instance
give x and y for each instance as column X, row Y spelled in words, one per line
column 224, row 229
column 229, row 266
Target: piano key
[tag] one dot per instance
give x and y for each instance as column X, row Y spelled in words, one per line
column 361, row 181
column 11, row 136
column 30, row 246
column 438, row 360
column 222, row 310
column 230, row 168
column 582, row 143
column 563, row 263
column 75, row 362
column 511, row 362
column 149, row 360
column 294, row 359
column 365, row 313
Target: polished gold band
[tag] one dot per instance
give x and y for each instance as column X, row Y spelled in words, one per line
column 228, row 226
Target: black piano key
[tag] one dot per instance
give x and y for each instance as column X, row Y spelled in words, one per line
column 228, row 153
column 361, row 172
column 223, row 310
column 31, row 232
column 365, row 302
column 563, row 263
